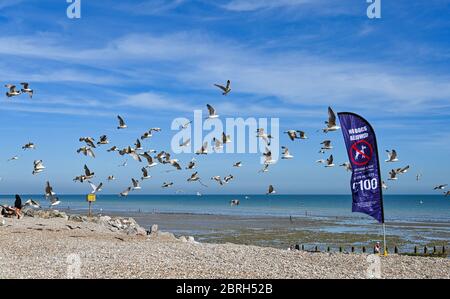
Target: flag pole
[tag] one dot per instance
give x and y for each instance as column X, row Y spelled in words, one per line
column 385, row 253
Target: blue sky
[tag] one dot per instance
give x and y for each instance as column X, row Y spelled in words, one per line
column 153, row 61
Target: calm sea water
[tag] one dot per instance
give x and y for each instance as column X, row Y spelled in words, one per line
column 428, row 208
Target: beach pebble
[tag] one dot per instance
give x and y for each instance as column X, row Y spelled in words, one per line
column 154, row 228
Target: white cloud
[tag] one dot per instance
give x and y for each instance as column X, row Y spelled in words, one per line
column 252, row 5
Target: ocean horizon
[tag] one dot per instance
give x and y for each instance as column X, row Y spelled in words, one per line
column 398, row 208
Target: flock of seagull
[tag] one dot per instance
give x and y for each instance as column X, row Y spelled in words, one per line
column 152, row 157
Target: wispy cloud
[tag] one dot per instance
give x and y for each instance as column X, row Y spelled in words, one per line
column 252, row 5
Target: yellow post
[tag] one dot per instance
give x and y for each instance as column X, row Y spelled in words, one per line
column 90, row 199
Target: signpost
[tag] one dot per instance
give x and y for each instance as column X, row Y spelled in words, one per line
column 366, row 184
column 90, row 198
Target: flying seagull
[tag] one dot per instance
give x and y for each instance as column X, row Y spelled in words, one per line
column 218, row 179
column 331, row 123
column 268, row 156
column 49, row 194
column 402, row 170
column 264, row 136
column 237, row 164
column 38, row 167
column 212, row 112
column 122, row 124
column 347, row 166
column 113, row 149
column 226, row 89
column 326, row 145
column 271, row 190
column 136, row 185
column 95, row 188
column 29, row 145
column 203, row 150
column 440, row 187
column 111, row 178
column 103, row 140
column 392, row 156
column 13, row 158
column 125, row 192
column 447, row 193
column 26, row 89
column 234, row 202
column 150, row 161
column 383, row 185
column 87, row 151
column 393, row 175
column 296, row 134
column 13, row 92
column 187, row 142
column 228, row 179
column 191, row 164
column 195, row 178
column 167, row 185
column 285, row 153
column 145, row 175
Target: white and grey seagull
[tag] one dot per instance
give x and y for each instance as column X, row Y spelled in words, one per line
column 136, row 185
column 271, row 190
column 212, row 112
column 440, row 187
column 285, row 154
column 29, row 145
column 13, row 92
column 326, row 145
column 331, row 122
column 26, row 89
column 225, row 89
column 122, row 124
column 145, row 175
column 95, row 189
column 392, row 156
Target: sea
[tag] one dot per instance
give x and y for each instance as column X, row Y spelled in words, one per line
column 397, row 208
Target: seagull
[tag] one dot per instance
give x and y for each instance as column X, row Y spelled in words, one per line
column 88, row 174
column 13, row 158
column 89, row 141
column 293, row 134
column 392, row 156
column 329, row 161
column 13, row 92
column 447, row 193
column 234, row 202
column 49, row 194
column 138, row 145
column 286, row 154
column 383, row 185
column 49, row 190
column 402, row 170
column 203, row 150
column 26, row 89
column 145, row 175
column 226, row 89
column 122, row 124
column 331, row 123
column 393, row 175
column 103, row 140
column 124, row 164
column 191, row 164
column 264, row 136
column 87, row 151
column 125, row 192
column 326, row 145
column 95, row 188
column 38, row 167
column 146, row 135
column 150, row 162
column 113, row 149
column 217, row 179
column 195, row 178
column 111, row 178
column 218, row 145
column 31, row 203
column 228, row 179
column 187, row 142
column 265, row 168
column 237, row 164
column 268, row 156
column 167, row 185
column 271, row 190
column 136, row 185
column 226, row 138
column 29, row 145
column 347, row 166
column 440, row 187
column 185, row 126
column 418, row 176
column 212, row 112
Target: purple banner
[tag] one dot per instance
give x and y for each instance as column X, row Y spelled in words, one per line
column 362, row 151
